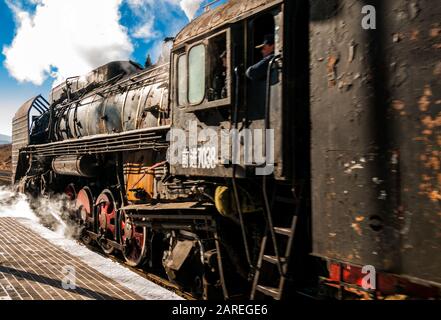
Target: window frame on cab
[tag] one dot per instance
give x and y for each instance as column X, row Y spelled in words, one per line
column 185, row 52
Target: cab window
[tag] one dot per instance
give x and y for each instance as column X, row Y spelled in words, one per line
column 182, row 80
column 202, row 73
column 218, row 64
column 196, row 74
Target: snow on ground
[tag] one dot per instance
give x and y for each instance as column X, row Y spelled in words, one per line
column 113, row 270
column 17, row 206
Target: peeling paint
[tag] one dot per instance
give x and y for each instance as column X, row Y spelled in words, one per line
column 353, row 167
column 435, row 32
column 332, row 70
column 407, row 222
column 414, row 9
column 431, row 123
column 414, row 35
column 435, row 196
column 357, row 228
column 352, row 48
column 437, row 70
column 398, row 105
column 424, row 101
column 434, row 163
column 394, row 158
column 401, row 74
column 383, row 195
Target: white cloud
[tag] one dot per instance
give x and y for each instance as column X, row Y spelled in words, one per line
column 65, row 38
column 146, row 31
column 144, row 26
column 190, row 7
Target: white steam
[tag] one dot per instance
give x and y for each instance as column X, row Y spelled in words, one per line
column 51, row 212
column 15, row 205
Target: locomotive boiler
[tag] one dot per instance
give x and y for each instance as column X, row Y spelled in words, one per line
column 292, row 184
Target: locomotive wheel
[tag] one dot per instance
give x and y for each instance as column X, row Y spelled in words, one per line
column 71, row 192
column 71, row 196
column 106, row 214
column 134, row 240
column 84, row 210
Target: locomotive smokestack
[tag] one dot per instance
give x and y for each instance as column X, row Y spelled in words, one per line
column 148, row 62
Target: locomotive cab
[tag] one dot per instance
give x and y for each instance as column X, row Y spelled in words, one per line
column 228, row 122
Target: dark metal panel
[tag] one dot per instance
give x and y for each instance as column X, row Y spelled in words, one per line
column 375, row 107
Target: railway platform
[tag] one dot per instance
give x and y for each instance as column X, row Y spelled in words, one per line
column 38, row 264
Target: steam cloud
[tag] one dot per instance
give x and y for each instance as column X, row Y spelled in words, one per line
column 51, row 212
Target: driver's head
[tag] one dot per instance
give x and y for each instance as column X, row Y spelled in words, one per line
column 267, row 50
column 267, row 47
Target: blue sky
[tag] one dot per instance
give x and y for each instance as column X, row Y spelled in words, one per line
column 45, row 41
column 11, row 92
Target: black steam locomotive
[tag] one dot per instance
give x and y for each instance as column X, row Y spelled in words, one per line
column 322, row 174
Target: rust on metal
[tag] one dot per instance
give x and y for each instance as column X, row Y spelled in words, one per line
column 233, row 10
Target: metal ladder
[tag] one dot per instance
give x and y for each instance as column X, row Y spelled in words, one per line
column 277, row 291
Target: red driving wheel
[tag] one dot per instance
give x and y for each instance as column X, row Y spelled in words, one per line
column 70, row 192
column 84, row 212
column 106, row 213
column 134, row 240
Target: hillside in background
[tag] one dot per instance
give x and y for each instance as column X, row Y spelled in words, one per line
column 5, row 157
column 4, row 139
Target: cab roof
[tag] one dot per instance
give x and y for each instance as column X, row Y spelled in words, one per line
column 232, row 11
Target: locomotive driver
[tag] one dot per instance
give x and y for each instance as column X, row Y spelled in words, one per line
column 258, row 72
column 258, row 75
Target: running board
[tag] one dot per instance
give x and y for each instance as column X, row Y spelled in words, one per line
column 163, row 206
column 150, row 138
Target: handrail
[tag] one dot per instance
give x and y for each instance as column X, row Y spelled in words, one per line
column 235, row 191
column 264, row 182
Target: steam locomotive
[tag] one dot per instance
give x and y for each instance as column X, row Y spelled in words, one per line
column 289, row 186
